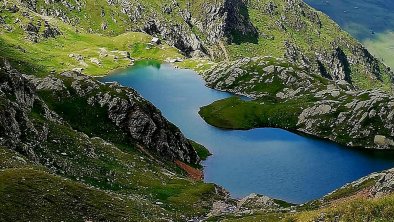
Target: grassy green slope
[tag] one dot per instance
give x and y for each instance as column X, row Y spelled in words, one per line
column 33, row 195
column 233, row 113
column 53, row 54
column 310, row 31
column 29, row 192
column 277, row 21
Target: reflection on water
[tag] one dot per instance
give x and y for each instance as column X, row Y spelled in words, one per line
column 268, row 161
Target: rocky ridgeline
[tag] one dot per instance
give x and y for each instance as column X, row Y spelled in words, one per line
column 335, row 59
column 356, row 119
column 217, row 20
column 334, row 110
column 22, row 95
column 243, row 76
column 213, row 28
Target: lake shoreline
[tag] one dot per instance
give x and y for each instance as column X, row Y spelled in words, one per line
column 160, row 81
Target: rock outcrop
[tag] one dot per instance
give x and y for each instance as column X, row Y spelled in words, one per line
column 331, row 109
column 384, row 184
column 226, row 20
column 249, row 205
column 375, row 185
column 228, row 29
column 35, row 32
column 125, row 109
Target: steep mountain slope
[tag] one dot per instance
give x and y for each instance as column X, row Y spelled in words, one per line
column 226, row 29
column 105, row 139
column 301, row 35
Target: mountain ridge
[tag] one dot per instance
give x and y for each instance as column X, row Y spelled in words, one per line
column 247, row 29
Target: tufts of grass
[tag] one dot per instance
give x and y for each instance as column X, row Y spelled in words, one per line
column 53, row 198
column 234, row 113
column 202, row 151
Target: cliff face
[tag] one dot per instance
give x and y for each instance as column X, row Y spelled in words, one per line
column 51, row 99
column 232, row 29
column 312, row 40
column 190, row 26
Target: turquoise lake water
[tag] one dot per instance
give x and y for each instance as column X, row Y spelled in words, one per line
column 267, row 161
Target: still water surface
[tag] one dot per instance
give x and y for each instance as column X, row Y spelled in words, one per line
column 268, row 161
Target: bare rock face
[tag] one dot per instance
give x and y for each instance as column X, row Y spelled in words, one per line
column 34, row 32
column 18, row 98
column 50, row 32
column 383, row 141
column 125, row 109
column 254, row 201
column 178, row 35
column 145, row 124
column 226, row 20
column 385, row 184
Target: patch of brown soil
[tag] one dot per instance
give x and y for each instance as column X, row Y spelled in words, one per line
column 193, row 173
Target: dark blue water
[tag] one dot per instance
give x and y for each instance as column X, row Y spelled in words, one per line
column 268, row 161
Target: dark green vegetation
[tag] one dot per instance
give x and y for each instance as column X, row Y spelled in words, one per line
column 234, row 113
column 202, row 152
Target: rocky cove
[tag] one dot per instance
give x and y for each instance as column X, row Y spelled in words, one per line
column 268, row 161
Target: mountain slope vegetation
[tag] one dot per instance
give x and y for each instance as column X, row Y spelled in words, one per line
column 101, row 150
column 217, row 30
column 288, row 97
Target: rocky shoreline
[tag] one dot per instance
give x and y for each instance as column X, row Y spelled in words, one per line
column 327, row 109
